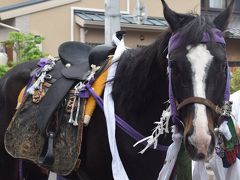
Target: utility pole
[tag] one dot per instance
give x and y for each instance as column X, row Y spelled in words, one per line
column 112, row 19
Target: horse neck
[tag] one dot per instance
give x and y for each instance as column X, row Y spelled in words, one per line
column 141, row 87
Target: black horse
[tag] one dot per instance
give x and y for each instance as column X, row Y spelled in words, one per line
column 10, row 86
column 140, row 90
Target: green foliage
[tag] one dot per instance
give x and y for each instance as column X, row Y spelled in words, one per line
column 25, row 45
column 3, row 69
column 235, row 81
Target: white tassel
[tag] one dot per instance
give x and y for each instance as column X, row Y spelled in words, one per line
column 224, row 129
column 217, row 166
column 199, row 170
column 171, row 156
column 162, row 126
column 36, row 84
column 41, row 78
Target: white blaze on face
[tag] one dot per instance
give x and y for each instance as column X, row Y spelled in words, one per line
column 200, row 59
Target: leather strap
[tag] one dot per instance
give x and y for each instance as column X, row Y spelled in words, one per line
column 200, row 100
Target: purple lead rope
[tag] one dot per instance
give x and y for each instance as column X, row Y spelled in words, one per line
column 227, row 88
column 122, row 124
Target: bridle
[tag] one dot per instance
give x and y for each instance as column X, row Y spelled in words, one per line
column 175, row 42
column 200, row 100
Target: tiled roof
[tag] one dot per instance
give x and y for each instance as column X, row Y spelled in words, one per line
column 233, row 30
column 125, row 19
column 233, row 33
column 19, row 5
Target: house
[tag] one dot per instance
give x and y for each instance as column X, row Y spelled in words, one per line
column 83, row 20
column 211, row 8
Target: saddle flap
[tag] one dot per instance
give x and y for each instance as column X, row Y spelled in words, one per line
column 73, row 52
column 75, row 56
column 50, row 102
column 78, row 72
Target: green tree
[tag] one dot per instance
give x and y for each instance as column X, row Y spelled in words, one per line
column 25, row 45
column 3, row 69
column 235, row 81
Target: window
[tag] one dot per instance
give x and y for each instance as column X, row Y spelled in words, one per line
column 219, row 4
column 237, row 6
column 202, row 3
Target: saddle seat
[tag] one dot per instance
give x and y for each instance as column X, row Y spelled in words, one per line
column 78, row 58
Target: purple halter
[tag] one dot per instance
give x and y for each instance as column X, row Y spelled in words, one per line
column 175, row 42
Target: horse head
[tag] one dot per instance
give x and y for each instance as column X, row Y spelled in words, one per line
column 198, row 75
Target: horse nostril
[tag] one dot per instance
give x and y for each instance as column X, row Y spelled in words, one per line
column 200, row 156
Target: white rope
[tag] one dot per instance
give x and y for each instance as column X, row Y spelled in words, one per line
column 171, row 156
column 199, row 171
column 42, row 75
column 161, row 128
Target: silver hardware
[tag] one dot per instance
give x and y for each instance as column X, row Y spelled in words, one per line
column 48, row 77
column 71, row 115
column 227, row 109
column 68, row 65
column 75, row 123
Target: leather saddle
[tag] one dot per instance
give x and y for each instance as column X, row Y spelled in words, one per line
column 78, row 58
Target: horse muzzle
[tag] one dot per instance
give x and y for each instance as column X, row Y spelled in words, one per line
column 201, row 147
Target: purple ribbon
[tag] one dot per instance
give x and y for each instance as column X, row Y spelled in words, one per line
column 122, row 124
column 227, row 88
column 175, row 40
column 20, row 170
column 41, row 63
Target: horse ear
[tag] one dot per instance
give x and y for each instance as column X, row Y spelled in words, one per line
column 174, row 19
column 222, row 20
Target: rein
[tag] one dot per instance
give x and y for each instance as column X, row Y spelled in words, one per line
column 121, row 123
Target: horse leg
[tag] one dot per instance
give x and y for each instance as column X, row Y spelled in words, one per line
column 33, row 172
column 8, row 167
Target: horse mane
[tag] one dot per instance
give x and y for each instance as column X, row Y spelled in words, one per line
column 192, row 29
column 141, row 76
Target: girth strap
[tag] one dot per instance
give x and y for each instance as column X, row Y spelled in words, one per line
column 200, row 100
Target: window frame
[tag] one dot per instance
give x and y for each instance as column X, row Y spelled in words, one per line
column 205, row 6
